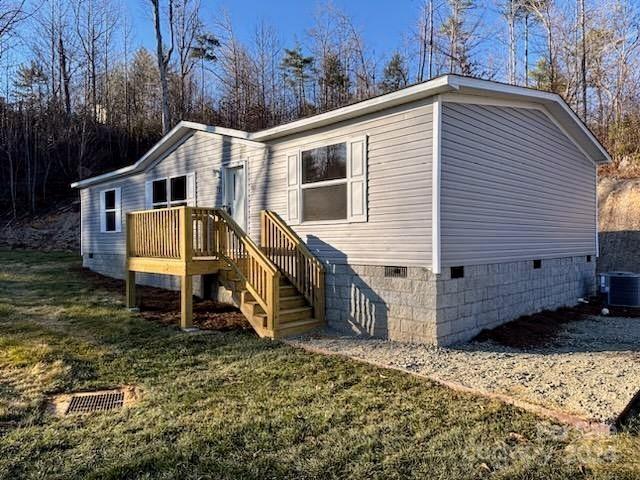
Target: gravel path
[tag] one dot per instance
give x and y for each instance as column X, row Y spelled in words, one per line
column 592, row 370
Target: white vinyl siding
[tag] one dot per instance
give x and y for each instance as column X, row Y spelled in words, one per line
column 200, row 156
column 514, row 187
column 395, row 228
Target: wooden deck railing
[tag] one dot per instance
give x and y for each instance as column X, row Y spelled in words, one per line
column 261, row 276
column 287, row 250
column 159, row 233
column 155, row 233
column 190, row 234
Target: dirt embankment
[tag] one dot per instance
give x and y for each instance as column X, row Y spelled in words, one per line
column 619, row 222
column 54, row 230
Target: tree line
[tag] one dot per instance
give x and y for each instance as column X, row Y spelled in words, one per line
column 80, row 95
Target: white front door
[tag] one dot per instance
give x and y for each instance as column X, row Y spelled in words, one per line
column 235, row 198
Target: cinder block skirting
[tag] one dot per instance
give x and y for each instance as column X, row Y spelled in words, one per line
column 361, row 299
column 490, row 295
column 437, row 309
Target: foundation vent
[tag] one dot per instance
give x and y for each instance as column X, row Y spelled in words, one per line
column 395, row 272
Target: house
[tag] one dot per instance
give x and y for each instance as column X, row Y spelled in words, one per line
column 424, row 215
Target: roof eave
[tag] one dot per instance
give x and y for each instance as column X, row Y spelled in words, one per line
column 176, row 134
column 406, row 95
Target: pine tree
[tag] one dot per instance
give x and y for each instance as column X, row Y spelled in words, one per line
column 297, row 73
column 395, row 74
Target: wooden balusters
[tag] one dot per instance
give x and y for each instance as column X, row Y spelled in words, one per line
column 287, row 250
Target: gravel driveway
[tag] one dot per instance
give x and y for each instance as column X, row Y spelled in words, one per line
column 592, row 370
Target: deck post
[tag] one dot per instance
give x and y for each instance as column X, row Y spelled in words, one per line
column 131, row 274
column 186, row 235
column 186, row 302
column 131, row 289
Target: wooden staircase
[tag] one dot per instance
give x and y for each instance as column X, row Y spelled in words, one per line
column 279, row 285
column 295, row 313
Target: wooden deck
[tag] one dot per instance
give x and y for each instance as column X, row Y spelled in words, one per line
column 279, row 285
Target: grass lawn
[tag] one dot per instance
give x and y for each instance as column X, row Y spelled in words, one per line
column 229, row 405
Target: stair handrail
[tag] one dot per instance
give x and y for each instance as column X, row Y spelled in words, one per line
column 260, row 275
column 302, row 268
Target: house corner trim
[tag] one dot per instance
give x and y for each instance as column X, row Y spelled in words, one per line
column 436, row 163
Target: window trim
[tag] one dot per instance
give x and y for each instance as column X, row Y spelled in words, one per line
column 324, row 183
column 116, row 210
column 170, row 203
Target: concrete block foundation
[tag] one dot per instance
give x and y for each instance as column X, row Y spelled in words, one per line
column 440, row 310
column 424, row 307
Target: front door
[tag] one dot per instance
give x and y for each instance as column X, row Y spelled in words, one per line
column 235, row 195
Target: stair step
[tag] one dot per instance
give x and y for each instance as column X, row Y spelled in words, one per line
column 288, row 316
column 256, row 308
column 288, row 291
column 298, row 327
column 293, row 314
column 292, row 302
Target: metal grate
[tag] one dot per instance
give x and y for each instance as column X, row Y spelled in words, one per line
column 92, row 402
column 395, row 272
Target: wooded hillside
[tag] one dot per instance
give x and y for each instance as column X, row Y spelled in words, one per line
column 80, row 96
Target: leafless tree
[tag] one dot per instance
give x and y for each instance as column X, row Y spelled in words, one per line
column 163, row 55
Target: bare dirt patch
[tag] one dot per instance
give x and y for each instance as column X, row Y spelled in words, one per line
column 163, row 306
column 543, row 328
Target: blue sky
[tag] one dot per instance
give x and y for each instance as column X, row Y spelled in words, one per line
column 384, row 23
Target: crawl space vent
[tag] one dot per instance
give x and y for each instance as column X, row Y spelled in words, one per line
column 96, row 402
column 395, row 272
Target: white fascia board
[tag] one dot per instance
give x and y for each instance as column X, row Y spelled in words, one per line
column 176, row 134
column 415, row 92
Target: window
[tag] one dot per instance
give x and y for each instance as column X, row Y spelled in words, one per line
column 179, row 190
column 328, row 183
column 324, row 183
column 110, row 210
column 588, row 258
column 160, row 194
column 172, row 192
column 537, row 264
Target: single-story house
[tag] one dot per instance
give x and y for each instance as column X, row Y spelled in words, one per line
column 436, row 211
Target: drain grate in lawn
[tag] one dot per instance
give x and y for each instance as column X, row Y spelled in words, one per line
column 96, row 402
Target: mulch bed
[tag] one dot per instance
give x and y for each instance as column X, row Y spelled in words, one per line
column 163, row 306
column 541, row 329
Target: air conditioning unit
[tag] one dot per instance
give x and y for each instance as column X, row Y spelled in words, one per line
column 622, row 288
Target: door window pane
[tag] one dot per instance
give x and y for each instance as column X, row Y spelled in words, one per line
column 324, row 163
column 325, row 203
column 159, row 191
column 178, row 189
column 110, row 200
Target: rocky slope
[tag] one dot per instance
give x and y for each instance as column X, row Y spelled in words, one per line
column 57, row 229
column 619, row 222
